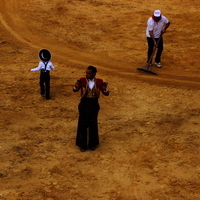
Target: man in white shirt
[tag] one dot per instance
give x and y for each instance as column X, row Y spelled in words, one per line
column 44, row 67
column 157, row 25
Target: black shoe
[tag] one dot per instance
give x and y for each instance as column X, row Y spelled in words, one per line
column 82, row 149
column 92, row 148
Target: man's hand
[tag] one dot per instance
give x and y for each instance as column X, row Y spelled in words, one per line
column 104, row 85
column 77, row 85
column 163, row 31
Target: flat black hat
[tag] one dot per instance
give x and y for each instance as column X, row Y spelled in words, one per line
column 45, row 55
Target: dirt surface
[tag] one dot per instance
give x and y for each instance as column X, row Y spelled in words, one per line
column 149, row 125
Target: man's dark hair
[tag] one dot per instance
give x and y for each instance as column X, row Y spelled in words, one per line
column 94, row 70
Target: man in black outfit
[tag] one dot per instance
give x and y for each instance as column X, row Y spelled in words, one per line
column 87, row 133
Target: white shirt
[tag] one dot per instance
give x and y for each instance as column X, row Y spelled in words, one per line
column 91, row 83
column 42, row 66
column 156, row 27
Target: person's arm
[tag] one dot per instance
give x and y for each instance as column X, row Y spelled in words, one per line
column 52, row 66
column 36, row 69
column 166, row 27
column 152, row 36
column 77, row 86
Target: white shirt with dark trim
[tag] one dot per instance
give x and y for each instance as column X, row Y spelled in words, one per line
column 41, row 66
column 156, row 27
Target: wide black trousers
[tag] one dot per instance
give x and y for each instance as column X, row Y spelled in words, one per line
column 45, row 84
column 87, row 132
column 151, row 47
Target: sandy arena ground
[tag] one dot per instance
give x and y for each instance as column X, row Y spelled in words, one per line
column 149, row 125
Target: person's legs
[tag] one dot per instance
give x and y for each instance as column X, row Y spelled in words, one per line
column 159, row 51
column 81, row 137
column 82, row 133
column 42, row 89
column 93, row 127
column 150, row 48
column 47, row 85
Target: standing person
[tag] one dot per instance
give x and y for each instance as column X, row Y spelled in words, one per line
column 87, row 132
column 44, row 66
column 157, row 25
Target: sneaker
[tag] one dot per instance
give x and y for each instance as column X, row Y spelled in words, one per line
column 159, row 65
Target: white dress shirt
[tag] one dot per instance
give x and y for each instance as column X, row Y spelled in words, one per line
column 41, row 66
column 91, row 83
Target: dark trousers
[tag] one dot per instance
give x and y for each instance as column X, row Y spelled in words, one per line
column 45, row 84
column 87, row 133
column 151, row 47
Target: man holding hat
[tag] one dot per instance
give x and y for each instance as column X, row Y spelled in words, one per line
column 44, row 67
column 157, row 25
